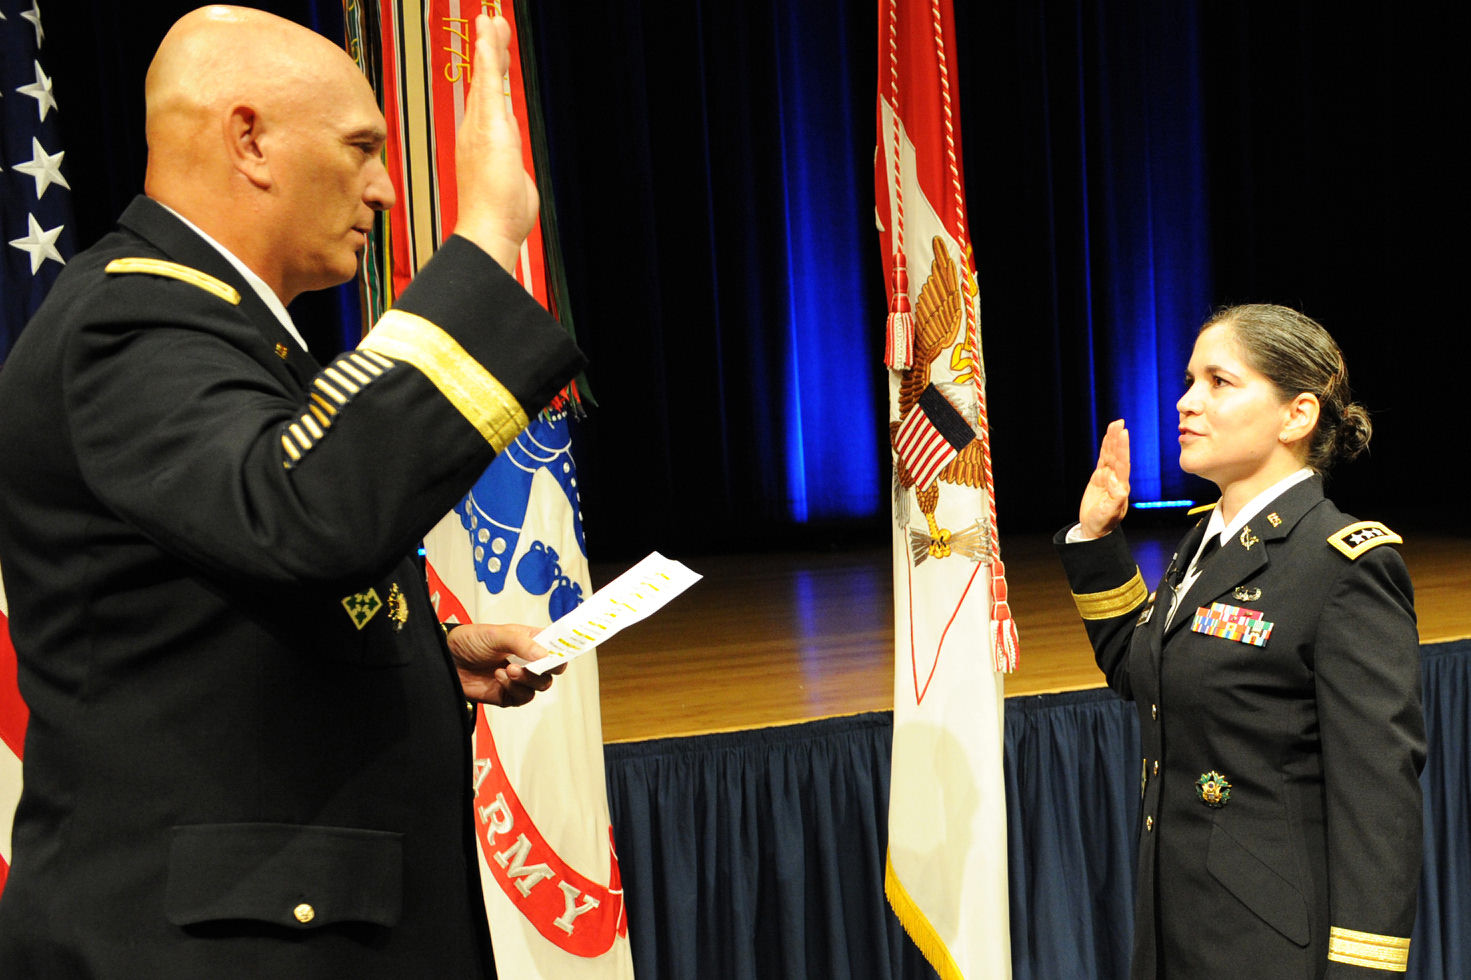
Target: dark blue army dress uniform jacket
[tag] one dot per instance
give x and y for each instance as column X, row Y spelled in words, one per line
column 1280, row 827
column 248, row 748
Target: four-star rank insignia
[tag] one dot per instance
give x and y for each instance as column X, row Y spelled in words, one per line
column 362, row 607
column 1213, row 789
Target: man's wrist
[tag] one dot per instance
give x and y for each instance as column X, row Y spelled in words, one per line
column 504, row 249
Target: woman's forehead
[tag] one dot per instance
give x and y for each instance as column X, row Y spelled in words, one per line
column 1216, row 342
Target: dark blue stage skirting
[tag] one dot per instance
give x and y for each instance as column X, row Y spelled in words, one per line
column 760, row 854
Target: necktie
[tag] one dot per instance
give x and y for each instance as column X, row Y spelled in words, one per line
column 1191, row 572
column 1183, row 570
column 1212, row 546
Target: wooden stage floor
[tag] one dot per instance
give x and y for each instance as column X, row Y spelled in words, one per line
column 781, row 639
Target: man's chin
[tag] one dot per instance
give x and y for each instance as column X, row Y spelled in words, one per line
column 344, row 271
column 328, row 279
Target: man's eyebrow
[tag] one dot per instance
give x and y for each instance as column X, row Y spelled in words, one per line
column 367, row 134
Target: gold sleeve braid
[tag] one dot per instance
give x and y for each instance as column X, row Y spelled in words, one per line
column 339, row 382
column 473, row 391
column 1113, row 602
column 1369, row 950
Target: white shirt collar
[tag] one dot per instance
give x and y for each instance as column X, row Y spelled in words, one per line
column 266, row 294
column 1218, row 526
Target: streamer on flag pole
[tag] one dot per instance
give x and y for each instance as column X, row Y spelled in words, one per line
column 513, row 550
column 954, row 635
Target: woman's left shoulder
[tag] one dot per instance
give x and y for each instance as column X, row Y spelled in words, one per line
column 1350, row 543
column 1355, row 538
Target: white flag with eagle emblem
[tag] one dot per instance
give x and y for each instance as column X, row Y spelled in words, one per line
column 954, row 638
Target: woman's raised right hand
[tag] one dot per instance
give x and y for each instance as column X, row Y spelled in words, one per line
column 1106, row 497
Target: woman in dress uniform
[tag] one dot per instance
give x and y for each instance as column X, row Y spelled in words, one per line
column 1277, row 673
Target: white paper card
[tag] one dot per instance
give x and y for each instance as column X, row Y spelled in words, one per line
column 636, row 594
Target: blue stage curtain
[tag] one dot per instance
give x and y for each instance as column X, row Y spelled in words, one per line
column 713, row 170
column 1071, row 840
column 1441, row 946
column 760, row 854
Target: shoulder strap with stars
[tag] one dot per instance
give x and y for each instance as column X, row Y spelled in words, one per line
column 1361, row 536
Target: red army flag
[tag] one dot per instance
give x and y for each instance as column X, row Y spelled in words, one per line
column 513, row 549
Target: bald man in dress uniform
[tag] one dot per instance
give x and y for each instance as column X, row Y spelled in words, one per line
column 248, row 752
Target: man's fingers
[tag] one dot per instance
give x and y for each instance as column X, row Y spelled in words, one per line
column 502, row 31
column 530, row 649
column 518, row 675
column 492, row 61
column 523, row 688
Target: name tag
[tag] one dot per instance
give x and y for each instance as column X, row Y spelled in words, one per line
column 1147, row 613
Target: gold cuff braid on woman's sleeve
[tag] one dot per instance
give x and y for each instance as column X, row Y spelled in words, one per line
column 1113, row 602
column 1369, row 950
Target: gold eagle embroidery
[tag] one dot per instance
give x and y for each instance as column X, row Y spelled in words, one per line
column 938, row 318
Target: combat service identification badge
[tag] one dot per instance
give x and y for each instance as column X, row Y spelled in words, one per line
column 362, row 607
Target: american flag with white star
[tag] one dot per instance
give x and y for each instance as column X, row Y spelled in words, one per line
column 35, row 241
column 35, row 198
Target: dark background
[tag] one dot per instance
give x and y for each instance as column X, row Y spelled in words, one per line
column 1284, row 152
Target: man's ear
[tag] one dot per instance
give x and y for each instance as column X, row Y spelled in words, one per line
column 243, row 143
